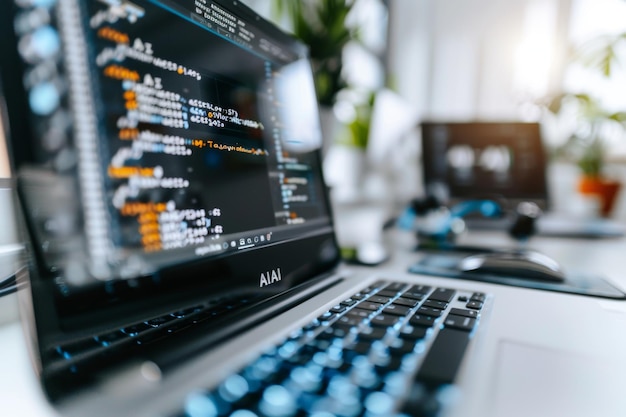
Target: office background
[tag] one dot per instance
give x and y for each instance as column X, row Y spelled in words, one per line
column 469, row 60
column 488, row 60
column 477, row 60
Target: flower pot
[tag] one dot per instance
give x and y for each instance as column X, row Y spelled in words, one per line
column 604, row 189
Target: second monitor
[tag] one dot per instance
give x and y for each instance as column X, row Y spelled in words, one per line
column 504, row 161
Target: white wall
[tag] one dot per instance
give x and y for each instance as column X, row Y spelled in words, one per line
column 461, row 59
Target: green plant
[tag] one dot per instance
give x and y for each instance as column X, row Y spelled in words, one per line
column 359, row 128
column 587, row 144
column 601, row 53
column 322, row 26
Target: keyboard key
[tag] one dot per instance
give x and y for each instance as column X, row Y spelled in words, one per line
column 441, row 305
column 379, row 299
column 476, row 305
column 186, row 312
column 421, row 320
column 417, row 296
column 349, row 357
column 277, row 401
column 112, row 337
column 373, row 287
column 307, row 379
column 463, row 312
column 442, row 294
column 428, row 311
column 384, row 320
column 159, row 321
column 360, row 348
column 372, row 333
column 379, row 404
column 370, row 306
column 400, row 347
column 338, row 309
column 348, row 321
column 287, row 349
column 349, row 302
column 444, row 357
column 408, row 302
column 150, row 337
column 395, row 286
column 393, row 363
column 135, row 329
column 478, row 296
column 327, row 316
column 233, row 389
column 396, row 310
column 343, row 396
column 386, row 293
column 459, row 322
column 336, row 331
column 422, row 289
column 422, row 402
column 345, row 323
column 366, row 378
column 413, row 333
column 179, row 326
column 318, row 344
column 200, row 404
column 359, row 313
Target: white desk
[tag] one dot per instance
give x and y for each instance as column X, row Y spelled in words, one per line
column 19, row 390
column 20, row 394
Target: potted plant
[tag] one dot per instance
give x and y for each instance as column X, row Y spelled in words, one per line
column 587, row 144
column 322, row 26
column 325, row 27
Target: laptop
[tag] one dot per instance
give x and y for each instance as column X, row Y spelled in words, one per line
column 503, row 161
column 182, row 259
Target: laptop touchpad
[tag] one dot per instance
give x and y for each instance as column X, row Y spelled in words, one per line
column 535, row 381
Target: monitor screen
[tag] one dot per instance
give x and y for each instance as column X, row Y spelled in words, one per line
column 501, row 161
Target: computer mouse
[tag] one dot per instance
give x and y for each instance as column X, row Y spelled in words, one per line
column 526, row 264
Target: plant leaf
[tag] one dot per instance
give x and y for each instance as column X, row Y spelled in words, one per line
column 618, row 117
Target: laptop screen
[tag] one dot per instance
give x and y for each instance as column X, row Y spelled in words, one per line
column 170, row 151
column 497, row 160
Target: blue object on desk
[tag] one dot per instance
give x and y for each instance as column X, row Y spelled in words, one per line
column 440, row 224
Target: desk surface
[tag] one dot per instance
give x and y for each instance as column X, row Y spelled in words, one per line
column 21, row 396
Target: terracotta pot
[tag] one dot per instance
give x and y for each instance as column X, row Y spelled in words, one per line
column 604, row 189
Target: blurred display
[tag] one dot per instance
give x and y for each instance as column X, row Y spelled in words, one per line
column 501, row 161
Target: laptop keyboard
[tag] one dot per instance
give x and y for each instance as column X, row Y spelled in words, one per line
column 392, row 349
column 74, row 355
